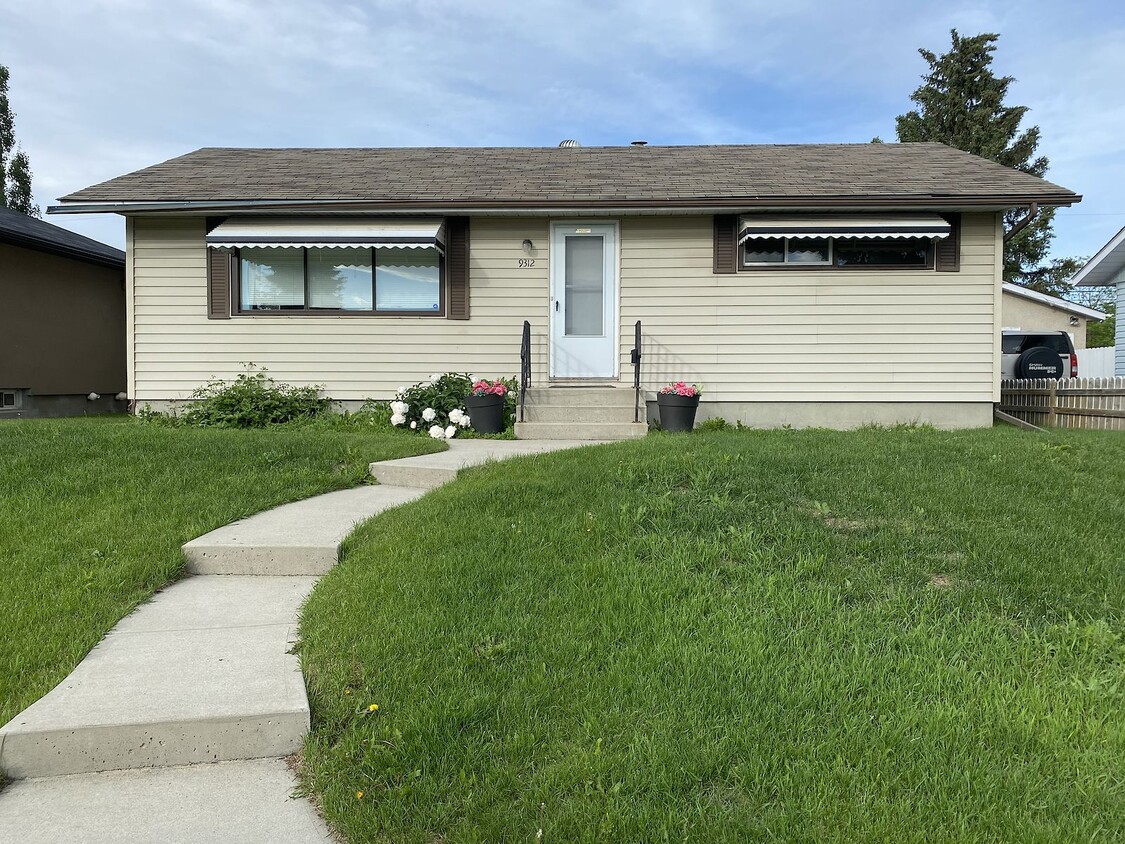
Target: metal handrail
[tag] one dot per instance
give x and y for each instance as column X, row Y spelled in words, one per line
column 525, row 364
column 635, row 358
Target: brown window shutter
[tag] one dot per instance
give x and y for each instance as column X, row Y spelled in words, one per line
column 947, row 257
column 218, row 283
column 726, row 245
column 457, row 266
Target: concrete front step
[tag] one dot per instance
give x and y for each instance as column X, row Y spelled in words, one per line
column 433, row 470
column 580, row 430
column 302, row 538
column 578, row 413
column 202, row 673
column 589, row 396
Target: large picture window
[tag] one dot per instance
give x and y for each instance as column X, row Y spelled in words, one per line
column 318, row 279
column 407, row 280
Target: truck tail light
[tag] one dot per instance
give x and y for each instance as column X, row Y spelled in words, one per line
column 1073, row 365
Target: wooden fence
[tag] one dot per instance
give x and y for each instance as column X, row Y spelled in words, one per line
column 1092, row 403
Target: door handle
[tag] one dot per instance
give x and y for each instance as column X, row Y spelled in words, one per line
column 556, row 306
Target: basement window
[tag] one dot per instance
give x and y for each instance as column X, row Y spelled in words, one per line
column 10, row 400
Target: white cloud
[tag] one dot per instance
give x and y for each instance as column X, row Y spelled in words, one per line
column 108, row 86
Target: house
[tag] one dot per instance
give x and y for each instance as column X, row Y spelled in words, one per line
column 828, row 285
column 1031, row 310
column 1107, row 269
column 62, row 321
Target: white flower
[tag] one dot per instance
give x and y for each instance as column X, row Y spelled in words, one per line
column 451, row 432
column 455, row 415
column 437, row 433
column 398, row 419
column 399, row 408
column 413, row 426
column 464, row 423
column 429, row 414
column 435, row 377
column 401, row 392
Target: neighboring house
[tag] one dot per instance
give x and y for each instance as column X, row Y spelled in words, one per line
column 1030, row 310
column 827, row 285
column 62, row 321
column 1107, row 269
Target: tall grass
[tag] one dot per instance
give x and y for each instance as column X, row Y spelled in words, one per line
column 899, row 635
column 93, row 513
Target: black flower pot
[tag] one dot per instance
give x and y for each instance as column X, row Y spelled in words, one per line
column 486, row 413
column 677, row 413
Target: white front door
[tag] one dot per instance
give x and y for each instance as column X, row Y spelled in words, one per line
column 583, row 300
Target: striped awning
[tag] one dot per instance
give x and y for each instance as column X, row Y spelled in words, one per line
column 867, row 227
column 327, row 232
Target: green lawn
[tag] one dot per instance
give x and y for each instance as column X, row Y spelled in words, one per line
column 93, row 513
column 898, row 636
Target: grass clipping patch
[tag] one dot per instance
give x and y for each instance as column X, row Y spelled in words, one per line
column 733, row 636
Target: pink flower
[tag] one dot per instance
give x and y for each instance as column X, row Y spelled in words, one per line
column 680, row 388
column 485, row 388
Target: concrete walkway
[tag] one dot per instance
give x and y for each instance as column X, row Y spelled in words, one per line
column 203, row 673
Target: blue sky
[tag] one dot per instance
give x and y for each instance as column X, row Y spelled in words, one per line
column 104, row 87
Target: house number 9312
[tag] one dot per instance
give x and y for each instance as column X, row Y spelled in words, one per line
column 527, row 263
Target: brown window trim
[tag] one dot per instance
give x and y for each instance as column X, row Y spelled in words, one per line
column 236, row 295
column 931, row 252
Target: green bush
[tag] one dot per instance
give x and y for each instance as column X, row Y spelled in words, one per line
column 252, row 400
column 442, row 398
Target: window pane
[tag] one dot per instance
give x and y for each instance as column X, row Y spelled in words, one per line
column 272, row 278
column 914, row 252
column 585, row 287
column 808, row 250
column 340, row 278
column 407, row 279
column 765, row 250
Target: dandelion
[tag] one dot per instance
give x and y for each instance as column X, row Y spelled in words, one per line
column 429, row 414
column 373, row 707
column 359, row 795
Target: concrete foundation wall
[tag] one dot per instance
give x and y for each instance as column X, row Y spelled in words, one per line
column 844, row 415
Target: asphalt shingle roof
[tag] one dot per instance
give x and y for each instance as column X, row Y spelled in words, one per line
column 30, row 232
column 496, row 176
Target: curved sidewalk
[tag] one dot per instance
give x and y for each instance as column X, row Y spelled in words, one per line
column 204, row 673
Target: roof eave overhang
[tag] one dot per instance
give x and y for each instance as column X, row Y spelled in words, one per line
column 997, row 202
column 1104, row 268
column 61, row 251
column 1053, row 302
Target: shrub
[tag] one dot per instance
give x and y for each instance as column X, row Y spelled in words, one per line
column 252, row 400
column 715, row 423
column 437, row 406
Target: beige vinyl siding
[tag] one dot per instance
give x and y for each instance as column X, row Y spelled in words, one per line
column 882, row 336
column 815, row 335
column 177, row 348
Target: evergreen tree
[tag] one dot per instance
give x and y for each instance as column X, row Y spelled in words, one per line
column 15, row 169
column 961, row 103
